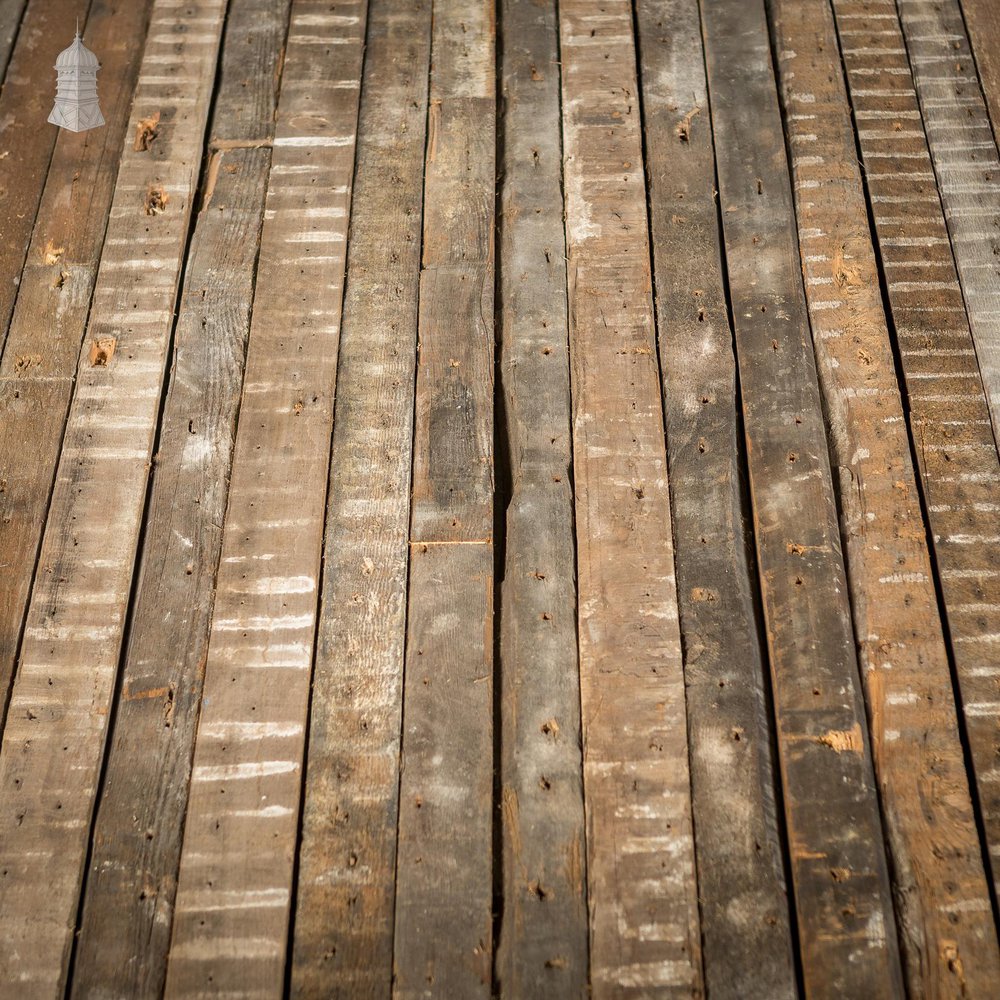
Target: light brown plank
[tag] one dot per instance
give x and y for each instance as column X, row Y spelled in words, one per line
column 346, row 884
column 948, row 939
column 233, row 904
column 11, row 13
column 846, row 926
column 54, row 739
column 982, row 22
column 640, row 849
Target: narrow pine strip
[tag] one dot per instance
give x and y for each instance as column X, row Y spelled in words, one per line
column 26, row 141
column 128, row 903
column 234, row 889
column 443, row 929
column 346, row 883
column 54, row 739
column 640, row 850
column 544, row 930
column 50, row 317
column 943, row 901
column 842, row 894
column 949, row 417
column 747, row 948
column 11, row 14
column 967, row 165
column 982, row 21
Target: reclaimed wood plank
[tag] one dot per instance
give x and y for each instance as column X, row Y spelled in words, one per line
column 26, row 143
column 543, row 940
column 967, row 165
column 11, row 14
column 129, row 895
column 50, row 317
column 747, row 947
column 444, row 881
column 982, row 22
column 948, row 412
column 346, row 881
column 846, row 924
column 948, row 940
column 53, row 742
column 233, row 901
column 640, row 848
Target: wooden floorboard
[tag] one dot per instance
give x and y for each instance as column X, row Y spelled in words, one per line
column 501, row 500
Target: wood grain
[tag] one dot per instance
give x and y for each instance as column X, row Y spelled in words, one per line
column 543, row 940
column 53, row 742
column 234, row 889
column 11, row 13
column 746, row 934
column 640, row 848
column 943, row 902
column 982, row 22
column 129, row 897
column 846, row 924
column 346, row 882
column 953, row 438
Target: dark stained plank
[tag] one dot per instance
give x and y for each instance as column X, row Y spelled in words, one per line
column 11, row 13
column 50, row 315
column 26, row 141
column 747, row 946
column 346, row 882
column 948, row 940
column 444, row 888
column 543, row 941
column 967, row 165
column 846, row 924
column 949, row 418
column 982, row 22
column 53, row 743
column 129, row 895
column 644, row 933
column 233, row 904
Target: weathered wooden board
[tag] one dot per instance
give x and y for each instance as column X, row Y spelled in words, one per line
column 346, row 879
column 129, row 894
column 967, row 165
column 543, row 935
column 233, row 901
column 11, row 12
column 50, row 316
column 982, row 22
column 947, row 935
column 747, row 946
column 840, row 878
column 444, row 884
column 26, row 140
column 54, row 739
column 644, row 932
column 949, row 418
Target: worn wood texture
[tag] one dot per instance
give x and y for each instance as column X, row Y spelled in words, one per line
column 233, row 901
column 967, row 165
column 746, row 933
column 40, row 356
column 129, row 896
column 25, row 142
column 839, row 873
column 640, row 851
column 942, row 895
column 53, row 742
column 346, row 880
column 444, row 889
column 543, row 940
column 982, row 22
column 949, row 418
column 11, row 13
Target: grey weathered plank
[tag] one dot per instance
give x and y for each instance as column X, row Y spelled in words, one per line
column 543, row 943
column 747, row 947
column 967, row 165
column 443, row 921
column 644, row 933
column 953, row 438
column 846, row 924
column 54, row 739
column 346, row 882
column 233, row 903
column 942, row 895
column 129, row 894
column 50, row 317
